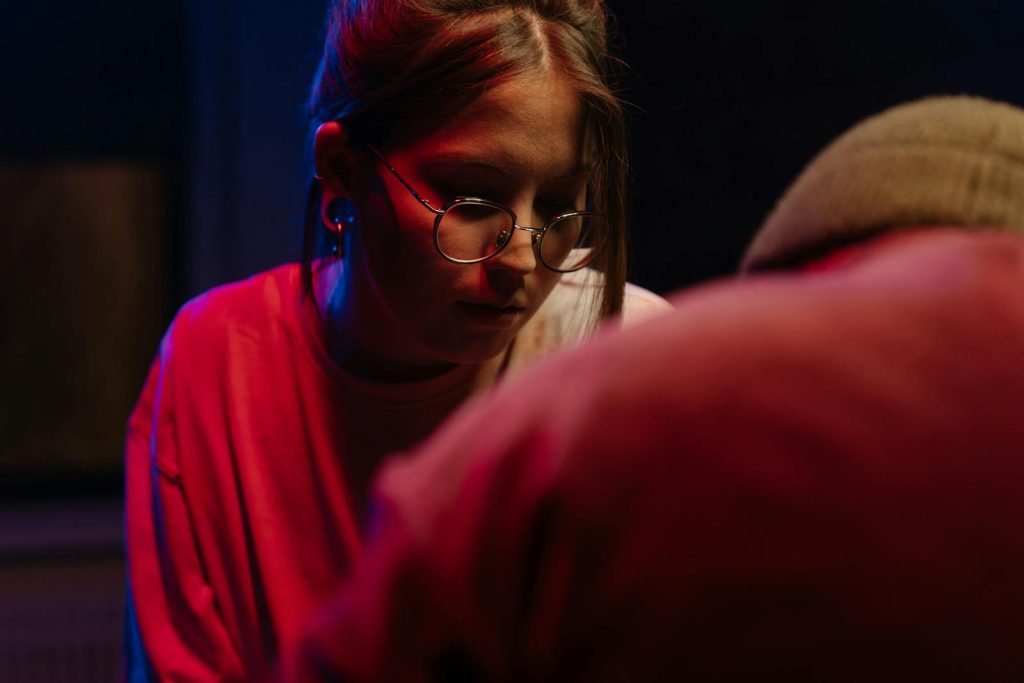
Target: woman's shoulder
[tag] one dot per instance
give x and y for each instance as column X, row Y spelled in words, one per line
column 231, row 322
column 245, row 306
column 569, row 315
column 586, row 285
column 639, row 303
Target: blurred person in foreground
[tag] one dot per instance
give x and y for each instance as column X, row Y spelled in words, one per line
column 809, row 473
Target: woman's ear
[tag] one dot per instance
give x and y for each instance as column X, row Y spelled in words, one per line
column 335, row 168
column 333, row 158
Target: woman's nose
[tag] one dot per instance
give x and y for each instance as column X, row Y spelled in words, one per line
column 518, row 252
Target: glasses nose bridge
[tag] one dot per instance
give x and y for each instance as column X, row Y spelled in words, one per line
column 534, row 233
column 505, row 237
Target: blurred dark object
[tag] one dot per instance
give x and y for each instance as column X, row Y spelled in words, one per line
column 90, row 176
column 81, row 299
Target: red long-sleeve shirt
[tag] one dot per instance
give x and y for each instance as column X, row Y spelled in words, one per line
column 248, row 457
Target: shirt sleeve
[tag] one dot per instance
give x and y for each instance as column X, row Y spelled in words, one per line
column 174, row 630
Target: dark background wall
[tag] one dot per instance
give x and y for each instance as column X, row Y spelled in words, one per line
column 738, row 95
column 730, row 99
column 149, row 151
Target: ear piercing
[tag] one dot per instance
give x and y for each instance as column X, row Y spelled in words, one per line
column 341, row 213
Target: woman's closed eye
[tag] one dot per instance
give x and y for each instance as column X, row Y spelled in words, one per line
column 448, row 191
column 554, row 207
column 545, row 206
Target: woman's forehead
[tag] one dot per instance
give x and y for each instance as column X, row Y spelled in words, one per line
column 532, row 123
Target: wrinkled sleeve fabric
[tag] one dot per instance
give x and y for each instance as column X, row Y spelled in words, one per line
column 174, row 631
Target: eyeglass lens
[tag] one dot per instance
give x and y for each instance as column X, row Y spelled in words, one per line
column 471, row 231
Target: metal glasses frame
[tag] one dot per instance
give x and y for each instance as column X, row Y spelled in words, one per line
column 537, row 234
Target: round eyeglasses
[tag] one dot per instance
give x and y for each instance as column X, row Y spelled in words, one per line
column 471, row 230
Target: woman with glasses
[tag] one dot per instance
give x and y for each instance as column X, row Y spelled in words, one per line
column 467, row 216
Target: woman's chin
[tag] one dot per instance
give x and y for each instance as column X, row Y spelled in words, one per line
column 473, row 349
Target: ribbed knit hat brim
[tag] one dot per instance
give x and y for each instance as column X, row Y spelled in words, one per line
column 941, row 161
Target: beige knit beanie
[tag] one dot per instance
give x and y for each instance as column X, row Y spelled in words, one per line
column 934, row 162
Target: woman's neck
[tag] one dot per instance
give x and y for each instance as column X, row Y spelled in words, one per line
column 346, row 335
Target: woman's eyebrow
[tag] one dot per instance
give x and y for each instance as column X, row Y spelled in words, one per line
column 459, row 162
column 442, row 161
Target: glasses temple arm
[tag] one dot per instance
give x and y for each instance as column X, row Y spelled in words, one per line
column 402, row 180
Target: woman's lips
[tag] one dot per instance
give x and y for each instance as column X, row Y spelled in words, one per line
column 491, row 315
